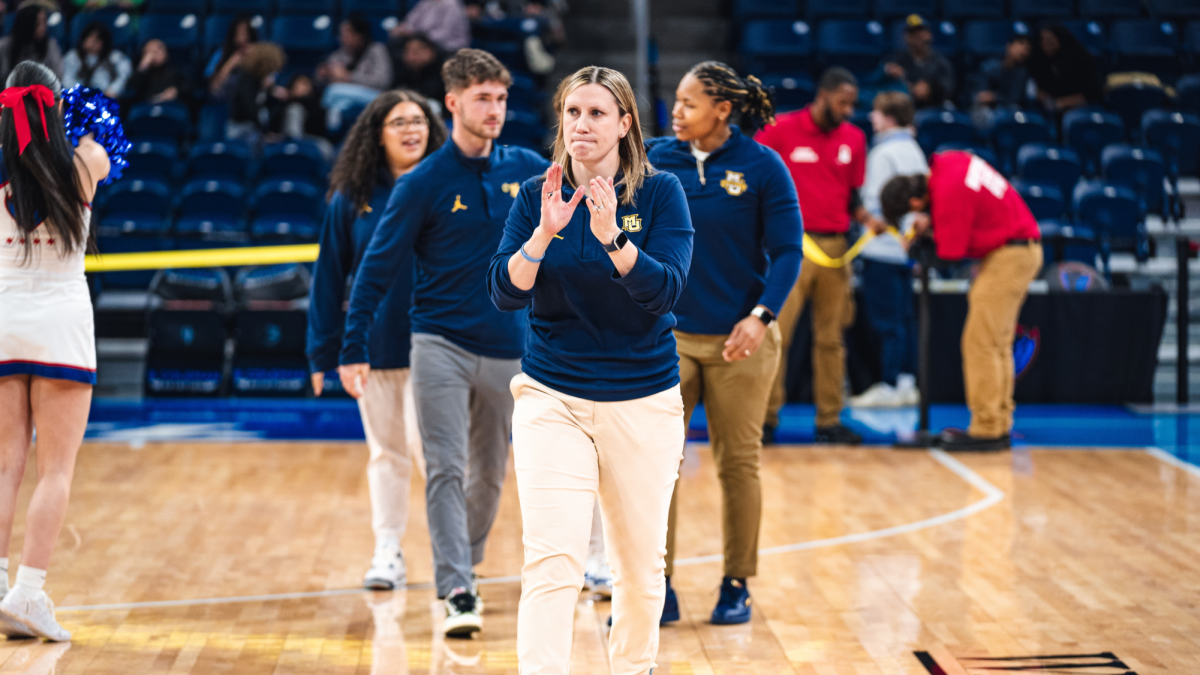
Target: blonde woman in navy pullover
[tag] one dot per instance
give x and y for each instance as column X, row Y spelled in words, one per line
column 598, row 410
column 744, row 209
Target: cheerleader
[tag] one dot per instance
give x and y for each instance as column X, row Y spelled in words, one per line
column 47, row 346
column 395, row 132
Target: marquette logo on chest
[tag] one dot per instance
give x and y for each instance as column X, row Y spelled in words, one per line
column 734, row 183
column 458, row 205
column 631, row 223
column 511, row 189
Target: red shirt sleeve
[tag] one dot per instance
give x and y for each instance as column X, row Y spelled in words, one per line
column 952, row 207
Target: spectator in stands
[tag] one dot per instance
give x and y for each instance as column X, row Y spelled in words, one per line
column 417, row 65
column 886, row 276
column 928, row 74
column 396, row 131
column 354, row 74
column 1064, row 70
column 156, row 80
column 94, row 63
column 444, row 22
column 228, row 58
column 30, row 41
column 301, row 115
column 1001, row 83
column 255, row 98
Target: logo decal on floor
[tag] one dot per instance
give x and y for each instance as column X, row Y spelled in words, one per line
column 1105, row 663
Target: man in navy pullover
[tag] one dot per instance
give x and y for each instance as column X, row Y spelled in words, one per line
column 450, row 212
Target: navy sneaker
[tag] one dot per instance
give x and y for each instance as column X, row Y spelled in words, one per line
column 670, row 606
column 734, row 605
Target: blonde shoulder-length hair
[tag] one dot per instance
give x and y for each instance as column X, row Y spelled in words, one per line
column 634, row 164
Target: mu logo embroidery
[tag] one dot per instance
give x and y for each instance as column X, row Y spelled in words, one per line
column 511, row 189
column 631, row 223
column 458, row 205
column 734, row 183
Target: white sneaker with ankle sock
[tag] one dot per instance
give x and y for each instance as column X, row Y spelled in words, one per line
column 28, row 605
column 388, row 571
column 8, row 627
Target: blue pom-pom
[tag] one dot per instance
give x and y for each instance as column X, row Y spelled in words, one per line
column 89, row 111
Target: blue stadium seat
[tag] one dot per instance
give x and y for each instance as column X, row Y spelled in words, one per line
column 1139, row 169
column 1146, row 44
column 220, row 160
column 295, row 159
column 137, row 198
column 509, row 52
column 935, row 127
column 1064, row 242
column 217, row 25
column 285, row 228
column 972, row 9
column 817, row 9
column 777, row 46
column 791, row 93
column 235, row 7
column 305, row 7
column 1176, row 136
column 1187, row 94
column 1044, row 201
column 180, row 32
column 1011, row 130
column 1037, row 9
column 1087, row 132
column 121, row 24
column 523, row 129
column 977, row 149
column 1037, row 163
column 212, row 199
column 511, row 29
column 162, row 122
column 131, row 234
column 382, row 25
column 307, row 39
column 1174, row 9
column 1131, row 101
column 855, row 45
column 524, row 94
column 214, row 229
column 1090, row 33
column 1191, row 40
column 152, row 161
column 287, row 197
column 392, row 7
column 891, row 9
column 945, row 36
column 197, row 7
column 1110, row 9
column 984, row 39
column 211, row 122
column 1115, row 213
column 56, row 27
column 764, row 9
column 186, row 347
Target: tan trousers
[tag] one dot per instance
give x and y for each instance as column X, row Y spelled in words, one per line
column 994, row 303
column 390, row 421
column 735, row 400
column 832, row 312
column 568, row 451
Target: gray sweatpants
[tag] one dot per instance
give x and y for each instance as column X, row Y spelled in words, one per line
column 464, row 412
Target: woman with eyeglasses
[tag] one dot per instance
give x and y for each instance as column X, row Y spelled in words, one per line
column 395, row 132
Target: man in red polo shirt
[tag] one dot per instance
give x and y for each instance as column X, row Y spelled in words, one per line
column 827, row 158
column 975, row 213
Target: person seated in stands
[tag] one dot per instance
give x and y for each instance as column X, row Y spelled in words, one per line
column 549, row 11
column 156, row 80
column 417, row 66
column 1064, row 70
column 1001, row 83
column 301, row 115
column 444, row 22
column 94, row 63
column 927, row 73
column 29, row 41
column 256, row 100
column 354, row 74
column 228, row 58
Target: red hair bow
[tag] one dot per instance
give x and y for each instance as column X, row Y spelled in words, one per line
column 14, row 98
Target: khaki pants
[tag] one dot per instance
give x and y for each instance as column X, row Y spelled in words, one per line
column 828, row 289
column 568, row 451
column 994, row 303
column 390, row 421
column 735, row 400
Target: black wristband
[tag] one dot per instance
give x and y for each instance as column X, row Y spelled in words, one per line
column 618, row 243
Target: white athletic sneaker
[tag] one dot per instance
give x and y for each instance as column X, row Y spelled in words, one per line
column 462, row 614
column 34, row 610
column 906, row 388
column 597, row 578
column 388, row 571
column 880, row 395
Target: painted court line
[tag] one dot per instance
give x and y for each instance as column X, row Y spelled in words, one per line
column 993, row 496
column 1168, row 458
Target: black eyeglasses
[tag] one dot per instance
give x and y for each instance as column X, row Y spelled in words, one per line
column 400, row 124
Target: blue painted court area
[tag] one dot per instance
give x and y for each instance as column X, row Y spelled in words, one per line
column 141, row 421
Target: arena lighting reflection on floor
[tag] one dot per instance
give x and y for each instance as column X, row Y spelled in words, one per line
column 149, row 420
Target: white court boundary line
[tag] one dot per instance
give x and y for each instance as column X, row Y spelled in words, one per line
column 993, row 496
column 1167, row 458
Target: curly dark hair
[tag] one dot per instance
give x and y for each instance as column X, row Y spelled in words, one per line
column 896, row 196
column 362, row 155
column 749, row 97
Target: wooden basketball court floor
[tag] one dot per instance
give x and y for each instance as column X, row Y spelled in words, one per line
column 246, row 558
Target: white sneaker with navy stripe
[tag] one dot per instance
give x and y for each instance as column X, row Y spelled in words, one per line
column 388, row 571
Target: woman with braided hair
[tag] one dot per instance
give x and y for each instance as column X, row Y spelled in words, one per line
column 745, row 212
